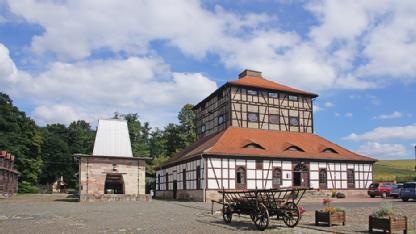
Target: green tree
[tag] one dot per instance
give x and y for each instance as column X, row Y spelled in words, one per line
column 187, row 127
column 20, row 136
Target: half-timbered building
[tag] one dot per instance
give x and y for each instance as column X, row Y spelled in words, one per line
column 255, row 133
column 8, row 174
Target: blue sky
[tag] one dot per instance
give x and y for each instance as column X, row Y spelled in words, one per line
column 66, row 60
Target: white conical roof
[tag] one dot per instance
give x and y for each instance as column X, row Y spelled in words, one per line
column 112, row 139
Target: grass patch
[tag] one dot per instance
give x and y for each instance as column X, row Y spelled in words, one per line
column 390, row 170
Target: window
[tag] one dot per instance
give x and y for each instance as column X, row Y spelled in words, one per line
column 322, row 178
column 253, row 146
column 294, row 148
column 294, row 121
column 252, row 92
column 259, row 164
column 240, row 177
column 184, row 179
column 273, row 95
column 277, row 178
column 293, row 98
column 274, row 119
column 167, row 181
column 158, row 182
column 198, row 177
column 329, row 150
column 203, row 128
column 220, row 119
column 252, row 117
column 350, row 178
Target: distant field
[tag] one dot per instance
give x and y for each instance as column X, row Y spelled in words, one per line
column 388, row 170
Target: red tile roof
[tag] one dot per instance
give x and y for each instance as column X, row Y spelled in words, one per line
column 259, row 82
column 232, row 140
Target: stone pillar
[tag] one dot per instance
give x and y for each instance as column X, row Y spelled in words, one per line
column 142, row 180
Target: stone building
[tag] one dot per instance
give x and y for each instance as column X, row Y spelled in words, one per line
column 255, row 133
column 8, row 174
column 111, row 172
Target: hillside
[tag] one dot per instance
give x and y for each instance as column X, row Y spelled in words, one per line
column 388, row 170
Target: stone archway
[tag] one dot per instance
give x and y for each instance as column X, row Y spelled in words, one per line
column 114, row 184
column 301, row 175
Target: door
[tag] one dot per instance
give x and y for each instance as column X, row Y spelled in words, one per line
column 175, row 188
column 240, row 178
column 301, row 175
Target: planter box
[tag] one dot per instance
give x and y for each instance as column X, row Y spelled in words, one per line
column 328, row 218
column 388, row 224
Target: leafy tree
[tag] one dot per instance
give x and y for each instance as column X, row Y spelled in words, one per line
column 187, row 127
column 20, row 136
column 80, row 137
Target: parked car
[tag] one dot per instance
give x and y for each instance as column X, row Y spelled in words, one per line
column 408, row 191
column 382, row 189
column 395, row 190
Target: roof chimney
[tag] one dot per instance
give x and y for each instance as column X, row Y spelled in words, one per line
column 250, row 73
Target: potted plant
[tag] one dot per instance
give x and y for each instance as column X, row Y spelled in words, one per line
column 384, row 219
column 329, row 215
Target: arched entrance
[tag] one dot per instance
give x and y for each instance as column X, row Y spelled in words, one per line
column 301, row 175
column 114, row 184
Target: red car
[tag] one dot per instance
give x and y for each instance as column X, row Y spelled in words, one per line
column 382, row 189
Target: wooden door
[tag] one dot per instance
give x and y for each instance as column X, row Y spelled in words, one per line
column 241, row 178
column 175, row 188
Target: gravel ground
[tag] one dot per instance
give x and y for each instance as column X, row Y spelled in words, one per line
column 55, row 214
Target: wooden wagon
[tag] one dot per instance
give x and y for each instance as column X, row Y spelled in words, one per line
column 263, row 204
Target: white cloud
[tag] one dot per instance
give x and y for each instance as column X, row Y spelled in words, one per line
column 91, row 89
column 386, row 133
column 383, row 151
column 74, row 29
column 348, row 115
column 394, row 115
column 317, row 108
column 328, row 104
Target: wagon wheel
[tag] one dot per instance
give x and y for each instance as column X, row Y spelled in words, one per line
column 260, row 217
column 291, row 214
column 227, row 213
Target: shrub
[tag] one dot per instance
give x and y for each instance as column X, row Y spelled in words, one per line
column 26, row 187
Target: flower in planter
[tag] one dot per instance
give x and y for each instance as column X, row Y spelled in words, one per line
column 385, row 211
column 327, row 202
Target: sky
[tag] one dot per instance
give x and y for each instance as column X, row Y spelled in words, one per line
column 62, row 61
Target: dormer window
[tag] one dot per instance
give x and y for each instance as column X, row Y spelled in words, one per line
column 220, row 95
column 329, row 150
column 253, row 146
column 295, row 149
column 203, row 106
column 252, row 92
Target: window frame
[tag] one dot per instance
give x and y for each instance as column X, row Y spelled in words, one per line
column 239, row 177
column 350, row 178
column 323, row 182
column 290, row 121
column 198, row 177
column 257, row 117
column 184, row 179
column 274, row 177
column 252, row 92
column 271, row 94
column 220, row 117
column 274, row 115
column 292, row 97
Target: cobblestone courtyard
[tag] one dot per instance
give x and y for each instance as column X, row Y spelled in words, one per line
column 54, row 214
